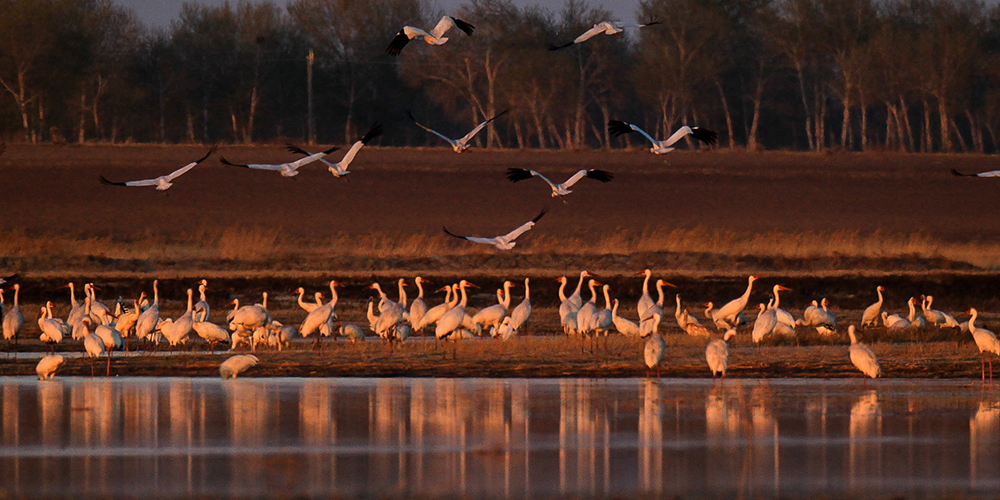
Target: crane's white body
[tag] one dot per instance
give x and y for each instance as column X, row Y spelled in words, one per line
column 623, row 325
column 862, row 356
column 764, row 324
column 872, row 312
column 236, row 365
column 13, row 318
column 519, row 316
column 717, row 354
column 728, row 312
column 47, row 366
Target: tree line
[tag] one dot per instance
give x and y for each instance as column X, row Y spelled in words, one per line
column 899, row 75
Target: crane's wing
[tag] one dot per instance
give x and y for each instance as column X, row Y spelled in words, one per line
column 181, row 171
column 592, row 32
column 991, row 173
column 299, row 151
column 447, row 22
column 397, row 43
column 373, row 132
column 255, row 166
column 617, row 130
column 511, row 236
column 596, row 174
column 435, row 132
column 144, row 182
column 474, row 239
column 704, row 135
column 520, row 174
column 479, row 127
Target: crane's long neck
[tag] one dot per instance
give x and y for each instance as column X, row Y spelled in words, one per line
column 72, row 295
column 678, row 312
column 465, row 298
column 562, row 291
column 777, row 297
column 746, row 295
column 913, row 310
column 48, row 311
column 371, row 312
column 879, row 291
column 302, row 293
column 17, row 291
column 156, row 294
column 527, row 291
column 454, row 297
column 579, row 284
column 854, row 338
column 645, row 284
column 708, row 310
column 333, row 294
column 972, row 321
column 659, row 290
column 191, row 299
column 236, row 305
column 614, row 310
column 506, row 294
column 593, row 292
column 402, row 293
column 420, row 289
column 318, row 297
column 607, row 297
column 201, row 292
column 86, row 306
column 263, row 302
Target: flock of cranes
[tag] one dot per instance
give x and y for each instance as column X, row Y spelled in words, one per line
column 102, row 329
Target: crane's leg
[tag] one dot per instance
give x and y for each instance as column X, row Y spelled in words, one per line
column 982, row 366
column 991, row 370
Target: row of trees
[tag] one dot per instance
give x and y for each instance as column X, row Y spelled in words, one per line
column 909, row 75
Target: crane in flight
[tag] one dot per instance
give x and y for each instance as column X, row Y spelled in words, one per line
column 618, row 127
column 606, row 27
column 162, row 182
column 289, row 169
column 435, row 37
column 460, row 144
column 562, row 189
column 339, row 169
column 502, row 242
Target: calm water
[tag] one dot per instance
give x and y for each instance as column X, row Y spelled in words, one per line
column 497, row 438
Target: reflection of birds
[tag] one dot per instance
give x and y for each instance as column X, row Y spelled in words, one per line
column 618, row 128
column 562, row 189
column 461, row 144
column 435, row 37
column 236, row 365
column 986, row 341
column 605, row 27
column 162, row 182
column 502, row 242
column 984, row 433
column 717, row 354
column 47, row 366
column 862, row 356
column 653, row 350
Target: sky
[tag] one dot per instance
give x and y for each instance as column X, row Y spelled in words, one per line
column 159, row 13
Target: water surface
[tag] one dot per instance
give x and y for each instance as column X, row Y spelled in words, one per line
column 156, row 437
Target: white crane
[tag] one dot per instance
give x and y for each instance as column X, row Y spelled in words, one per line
column 728, row 312
column 645, row 300
column 451, row 321
column 53, row 329
column 623, row 325
column 77, row 309
column 605, row 27
column 210, row 332
column 990, row 173
column 764, row 324
column 681, row 315
column 575, row 299
column 13, row 319
column 308, row 306
column 916, row 322
column 94, row 347
column 602, row 321
column 986, row 341
column 522, row 312
column 646, row 322
column 435, row 37
column 162, row 182
column 150, row 317
column 588, row 309
column 47, row 366
column 894, row 322
column 502, row 242
column 177, row 331
column 652, row 352
column 98, row 311
column 936, row 317
column 461, row 144
column 862, row 356
column 693, row 327
column 493, row 315
column 617, row 128
column 784, row 317
column 236, row 365
column 434, row 313
column 520, row 174
column 717, row 354
column 339, row 169
column 871, row 315
column 418, row 307
column 288, row 169
column 351, row 332
column 202, row 304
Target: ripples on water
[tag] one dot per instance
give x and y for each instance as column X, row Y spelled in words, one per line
column 497, row 438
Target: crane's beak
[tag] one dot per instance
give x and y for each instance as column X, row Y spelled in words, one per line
column 784, row 288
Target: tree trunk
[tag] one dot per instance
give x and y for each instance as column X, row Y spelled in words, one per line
column 905, row 111
column 80, row 138
column 945, row 120
column 725, row 110
column 805, row 105
column 927, row 144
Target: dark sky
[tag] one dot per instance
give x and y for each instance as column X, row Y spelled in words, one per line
column 161, row 12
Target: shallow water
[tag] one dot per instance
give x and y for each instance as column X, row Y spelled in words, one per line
column 156, row 437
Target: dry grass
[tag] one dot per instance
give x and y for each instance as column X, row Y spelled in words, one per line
column 251, row 244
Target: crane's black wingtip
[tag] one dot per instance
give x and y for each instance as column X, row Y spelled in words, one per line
column 554, row 47
column 224, row 161
column 540, row 215
column 960, row 174
column 105, row 180
column 704, row 135
column 600, row 175
column 373, row 132
column 449, row 233
column 397, row 44
column 618, row 127
column 328, row 151
column 209, row 153
column 518, row 174
column 410, row 115
column 466, row 28
column 292, row 148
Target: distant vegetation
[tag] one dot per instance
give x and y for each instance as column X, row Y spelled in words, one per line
column 909, row 75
